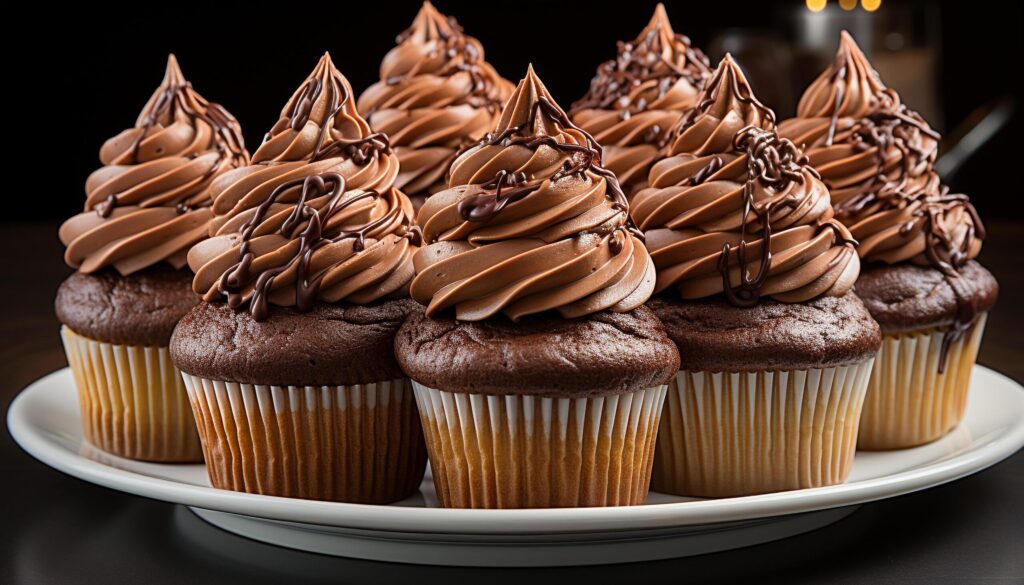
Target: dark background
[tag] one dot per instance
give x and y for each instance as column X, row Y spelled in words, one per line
column 94, row 68
column 81, row 74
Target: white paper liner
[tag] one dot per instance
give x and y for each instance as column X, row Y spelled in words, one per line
column 909, row 401
column 132, row 401
column 489, row 451
column 360, row 443
column 733, row 434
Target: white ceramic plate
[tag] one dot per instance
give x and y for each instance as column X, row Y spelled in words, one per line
column 44, row 420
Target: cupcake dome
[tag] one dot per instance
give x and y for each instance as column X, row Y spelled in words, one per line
column 637, row 98
column 530, row 222
column 144, row 208
column 150, row 202
column 918, row 239
column 757, row 275
column 538, row 373
column 436, row 93
column 728, row 184
column 293, row 380
column 316, row 217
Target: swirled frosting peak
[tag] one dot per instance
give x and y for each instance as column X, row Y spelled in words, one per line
column 319, row 132
column 319, row 114
column 729, row 185
column 876, row 156
column 150, row 201
column 635, row 99
column 849, row 88
column 530, row 222
column 436, row 94
column 315, row 217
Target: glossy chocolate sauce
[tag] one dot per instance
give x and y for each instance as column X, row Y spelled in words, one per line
column 943, row 253
column 461, row 56
column 774, row 163
column 894, row 126
column 740, row 90
column 235, row 281
column 638, row 62
column 168, row 103
column 359, row 150
column 506, row 188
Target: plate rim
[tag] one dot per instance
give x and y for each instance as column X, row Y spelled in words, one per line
column 532, row 521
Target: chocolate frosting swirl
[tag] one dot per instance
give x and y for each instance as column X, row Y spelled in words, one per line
column 728, row 184
column 530, row 222
column 876, row 156
column 436, row 94
column 150, row 202
column 637, row 98
column 316, row 216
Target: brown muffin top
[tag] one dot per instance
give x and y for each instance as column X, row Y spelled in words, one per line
column 326, row 346
column 713, row 335
column 545, row 354
column 140, row 309
column 905, row 297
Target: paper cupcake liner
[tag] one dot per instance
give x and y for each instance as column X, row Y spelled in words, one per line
column 132, row 400
column 734, row 434
column 540, row 452
column 359, row 444
column 909, row 401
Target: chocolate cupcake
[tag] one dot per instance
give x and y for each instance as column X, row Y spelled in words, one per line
column 436, row 94
column 918, row 242
column 522, row 406
column 776, row 348
column 144, row 208
column 289, row 361
column 637, row 98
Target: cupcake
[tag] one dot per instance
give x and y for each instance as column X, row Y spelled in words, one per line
column 637, row 98
column 436, row 94
column 776, row 348
column 144, row 208
column 918, row 242
column 289, row 361
column 538, row 373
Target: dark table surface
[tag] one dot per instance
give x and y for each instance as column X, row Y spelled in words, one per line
column 57, row 529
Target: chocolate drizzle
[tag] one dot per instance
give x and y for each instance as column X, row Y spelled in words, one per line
column 106, row 207
column 303, row 107
column 706, row 172
column 506, row 188
column 460, row 53
column 314, row 233
column 177, row 96
column 964, row 321
column 883, row 131
column 764, row 164
column 584, row 157
column 838, row 78
column 891, row 125
column 742, row 92
column 494, row 197
column 949, row 256
column 359, row 150
column 775, row 163
column 643, row 60
column 886, row 99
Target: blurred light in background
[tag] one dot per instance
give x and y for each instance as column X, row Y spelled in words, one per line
column 868, row 5
column 816, row 5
